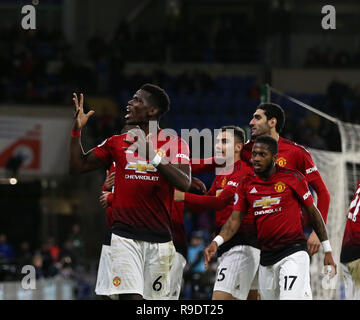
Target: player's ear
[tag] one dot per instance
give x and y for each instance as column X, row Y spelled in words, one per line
column 273, row 122
column 153, row 112
column 238, row 146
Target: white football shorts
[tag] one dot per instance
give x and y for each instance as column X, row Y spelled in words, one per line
column 141, row 267
column 288, row 279
column 103, row 281
column 237, row 271
column 176, row 276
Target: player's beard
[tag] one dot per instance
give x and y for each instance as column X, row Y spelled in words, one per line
column 266, row 172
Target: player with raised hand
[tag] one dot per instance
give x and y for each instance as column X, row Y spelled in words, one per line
column 142, row 250
column 269, row 119
column 274, row 197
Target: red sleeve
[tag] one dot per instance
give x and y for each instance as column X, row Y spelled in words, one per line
column 199, row 166
column 241, row 203
column 180, row 154
column 207, row 202
column 302, row 190
column 323, row 196
column 103, row 151
column 315, row 180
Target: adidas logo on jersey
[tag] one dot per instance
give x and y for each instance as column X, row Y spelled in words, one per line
column 253, row 190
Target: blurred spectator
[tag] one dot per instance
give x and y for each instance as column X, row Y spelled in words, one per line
column 53, row 249
column 195, row 266
column 37, row 262
column 6, row 249
column 77, row 243
column 24, row 256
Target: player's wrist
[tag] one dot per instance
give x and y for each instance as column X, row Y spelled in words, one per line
column 219, row 240
column 76, row 132
column 156, row 160
column 326, row 246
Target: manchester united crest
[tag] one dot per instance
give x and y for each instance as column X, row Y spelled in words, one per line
column 279, row 186
column 281, row 162
column 116, row 281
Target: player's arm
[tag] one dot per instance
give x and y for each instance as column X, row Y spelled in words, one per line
column 79, row 160
column 227, row 231
column 323, row 203
column 209, row 202
column 318, row 225
column 178, row 174
column 323, row 196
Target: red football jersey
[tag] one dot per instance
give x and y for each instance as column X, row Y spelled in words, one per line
column 275, row 205
column 351, row 242
column 294, row 156
column 143, row 196
column 291, row 156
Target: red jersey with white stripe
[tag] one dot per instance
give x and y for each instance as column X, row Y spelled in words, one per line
column 143, row 196
column 275, row 205
column 351, row 242
column 293, row 156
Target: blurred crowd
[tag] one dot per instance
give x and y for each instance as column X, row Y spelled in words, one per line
column 50, row 260
column 328, row 57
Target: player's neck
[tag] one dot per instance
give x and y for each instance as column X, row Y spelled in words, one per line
column 275, row 135
column 146, row 128
column 230, row 163
column 266, row 175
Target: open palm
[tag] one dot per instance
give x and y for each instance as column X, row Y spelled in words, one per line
column 80, row 118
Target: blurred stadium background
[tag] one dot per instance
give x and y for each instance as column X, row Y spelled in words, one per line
column 211, row 56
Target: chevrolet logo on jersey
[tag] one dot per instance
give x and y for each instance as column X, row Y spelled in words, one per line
column 140, row 167
column 266, row 202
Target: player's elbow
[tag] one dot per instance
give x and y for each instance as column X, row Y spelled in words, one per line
column 184, row 186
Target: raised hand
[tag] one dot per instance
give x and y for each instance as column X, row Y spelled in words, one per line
column 80, row 118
